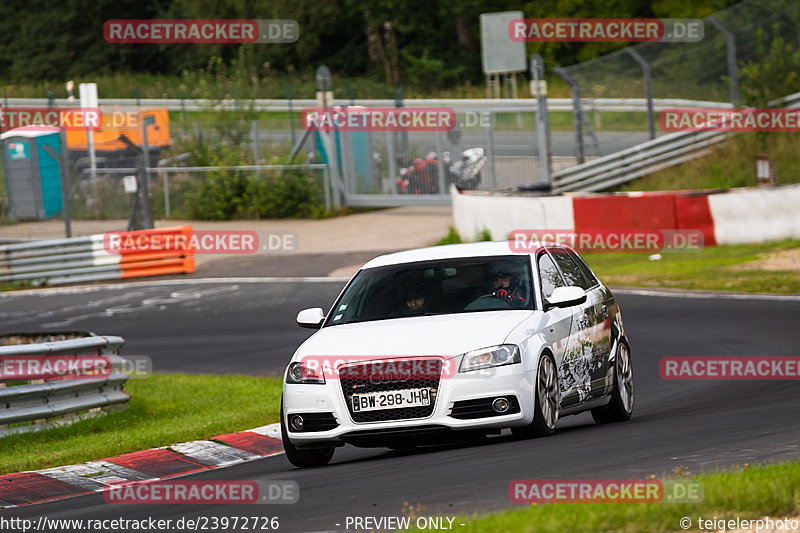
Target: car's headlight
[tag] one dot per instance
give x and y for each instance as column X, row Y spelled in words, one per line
column 505, row 354
column 301, row 373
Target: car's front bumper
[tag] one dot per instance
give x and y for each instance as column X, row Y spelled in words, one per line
column 509, row 381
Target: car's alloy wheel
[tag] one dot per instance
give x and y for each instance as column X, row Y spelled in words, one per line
column 546, row 405
column 620, row 407
column 303, row 458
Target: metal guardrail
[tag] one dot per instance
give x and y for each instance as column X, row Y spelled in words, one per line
column 627, row 165
column 48, row 403
column 651, row 156
column 457, row 104
column 79, row 259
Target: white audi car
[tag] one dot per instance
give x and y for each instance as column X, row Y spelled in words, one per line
column 437, row 344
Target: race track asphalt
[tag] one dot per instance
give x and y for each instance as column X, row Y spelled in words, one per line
column 228, row 326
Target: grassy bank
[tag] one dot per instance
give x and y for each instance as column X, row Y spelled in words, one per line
column 746, row 493
column 164, row 409
column 730, row 164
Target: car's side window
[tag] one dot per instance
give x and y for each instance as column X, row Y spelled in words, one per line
column 571, row 272
column 587, row 272
column 549, row 275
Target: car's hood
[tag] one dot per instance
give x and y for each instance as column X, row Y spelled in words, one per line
column 444, row 335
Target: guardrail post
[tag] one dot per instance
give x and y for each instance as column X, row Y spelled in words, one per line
column 730, row 47
column 648, row 89
column 577, row 113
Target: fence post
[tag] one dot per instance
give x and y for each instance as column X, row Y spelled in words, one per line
column 490, row 151
column 256, row 155
column 577, row 113
column 291, row 112
column 145, row 185
column 392, row 163
column 730, row 47
column 648, row 90
column 542, row 121
column 166, row 195
column 440, row 165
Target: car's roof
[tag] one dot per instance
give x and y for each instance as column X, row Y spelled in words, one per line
column 473, row 249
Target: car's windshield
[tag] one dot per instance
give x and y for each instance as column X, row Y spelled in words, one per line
column 436, row 287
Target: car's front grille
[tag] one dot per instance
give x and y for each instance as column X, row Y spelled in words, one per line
column 359, row 383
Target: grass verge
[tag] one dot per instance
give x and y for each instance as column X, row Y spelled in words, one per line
column 746, row 493
column 164, row 409
column 713, row 268
column 731, row 164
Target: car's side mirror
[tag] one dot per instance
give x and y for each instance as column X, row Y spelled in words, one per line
column 565, row 297
column 311, row 318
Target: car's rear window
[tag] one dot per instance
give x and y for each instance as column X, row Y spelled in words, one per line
column 438, row 287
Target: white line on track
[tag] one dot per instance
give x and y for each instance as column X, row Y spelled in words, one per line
column 666, row 293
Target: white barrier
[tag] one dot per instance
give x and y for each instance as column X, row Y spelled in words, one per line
column 756, row 215
column 472, row 213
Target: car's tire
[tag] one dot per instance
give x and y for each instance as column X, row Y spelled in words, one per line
column 547, row 398
column 304, row 458
column 620, row 408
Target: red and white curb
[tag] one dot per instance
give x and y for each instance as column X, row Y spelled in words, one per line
column 35, row 486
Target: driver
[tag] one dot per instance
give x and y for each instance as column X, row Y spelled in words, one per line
column 506, row 284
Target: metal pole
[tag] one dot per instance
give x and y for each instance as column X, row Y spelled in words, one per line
column 648, row 90
column 392, row 163
column 542, row 133
column 326, row 177
column 256, row 155
column 733, row 69
column 490, row 151
column 440, row 165
column 145, row 185
column 577, row 113
column 166, row 195
column 291, row 112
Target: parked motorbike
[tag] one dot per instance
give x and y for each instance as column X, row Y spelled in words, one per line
column 421, row 175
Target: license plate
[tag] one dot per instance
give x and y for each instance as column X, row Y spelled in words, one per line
column 375, row 401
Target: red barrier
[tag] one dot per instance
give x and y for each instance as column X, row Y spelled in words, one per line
column 646, row 211
column 693, row 212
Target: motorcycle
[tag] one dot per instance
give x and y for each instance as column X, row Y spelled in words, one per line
column 421, row 175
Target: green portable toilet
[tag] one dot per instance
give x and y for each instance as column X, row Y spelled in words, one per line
column 33, row 178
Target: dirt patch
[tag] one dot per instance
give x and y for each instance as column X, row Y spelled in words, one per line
column 783, row 260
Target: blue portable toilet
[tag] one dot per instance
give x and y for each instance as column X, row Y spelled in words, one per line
column 33, row 177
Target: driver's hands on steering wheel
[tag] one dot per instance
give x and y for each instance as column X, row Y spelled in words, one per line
column 507, row 296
